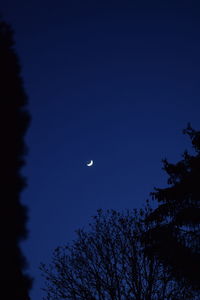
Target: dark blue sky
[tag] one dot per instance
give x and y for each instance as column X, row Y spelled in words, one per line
column 112, row 81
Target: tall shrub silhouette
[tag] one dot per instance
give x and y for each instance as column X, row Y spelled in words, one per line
column 14, row 120
column 175, row 237
column 108, row 262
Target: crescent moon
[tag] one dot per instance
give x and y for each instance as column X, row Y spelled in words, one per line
column 90, row 163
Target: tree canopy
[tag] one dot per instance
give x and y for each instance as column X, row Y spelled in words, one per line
column 175, row 235
column 14, row 122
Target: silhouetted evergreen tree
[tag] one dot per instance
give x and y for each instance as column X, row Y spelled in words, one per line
column 14, row 120
column 109, row 263
column 175, row 237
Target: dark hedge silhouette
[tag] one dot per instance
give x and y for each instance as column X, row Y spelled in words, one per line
column 109, row 263
column 14, row 120
column 175, row 237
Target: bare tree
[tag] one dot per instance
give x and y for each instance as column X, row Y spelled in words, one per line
column 108, row 262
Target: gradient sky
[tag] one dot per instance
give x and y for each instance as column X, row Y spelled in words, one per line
column 112, row 81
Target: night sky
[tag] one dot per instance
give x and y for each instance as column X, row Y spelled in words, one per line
column 112, row 81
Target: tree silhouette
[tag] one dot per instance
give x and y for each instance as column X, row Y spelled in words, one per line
column 175, row 236
column 109, row 263
column 14, row 122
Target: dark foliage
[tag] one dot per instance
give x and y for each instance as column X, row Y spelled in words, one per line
column 109, row 263
column 14, row 121
column 175, row 237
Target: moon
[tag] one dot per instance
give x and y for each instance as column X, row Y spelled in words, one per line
column 90, row 163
